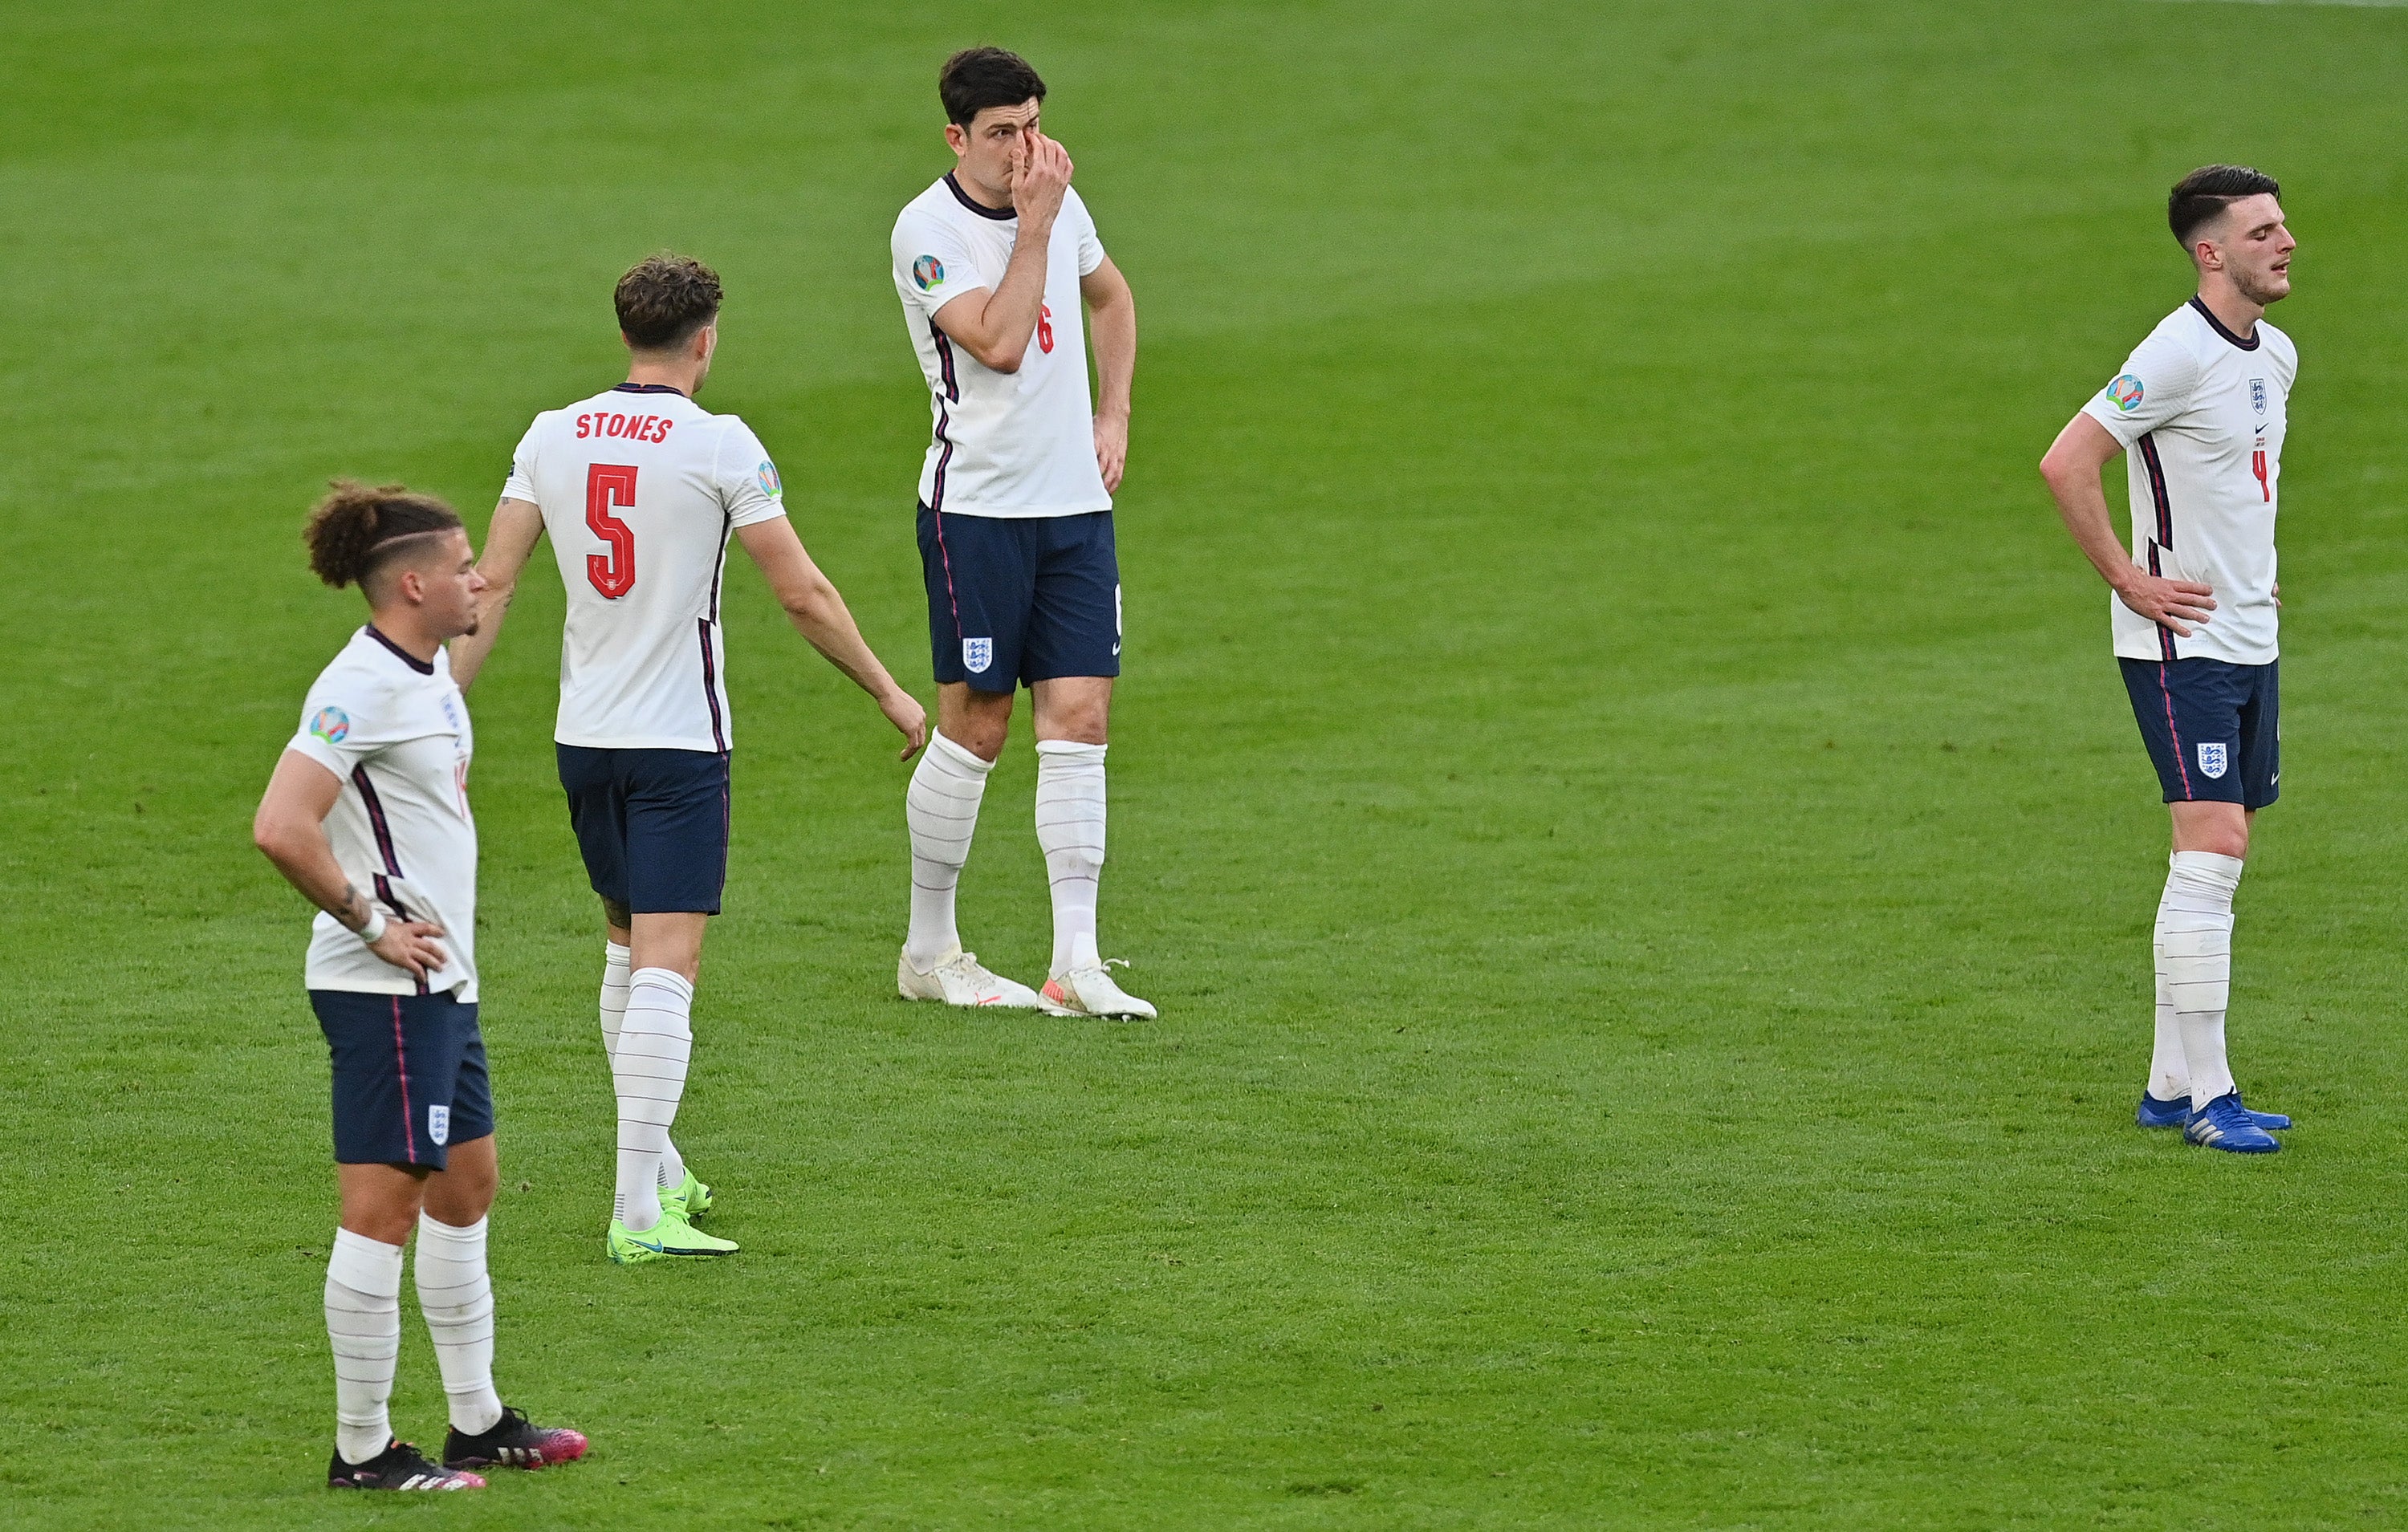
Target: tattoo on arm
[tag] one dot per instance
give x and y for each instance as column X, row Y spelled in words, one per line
column 352, row 910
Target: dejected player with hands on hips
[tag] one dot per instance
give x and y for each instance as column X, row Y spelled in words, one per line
column 2201, row 408
column 367, row 815
column 994, row 264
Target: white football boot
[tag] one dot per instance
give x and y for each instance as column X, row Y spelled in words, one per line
column 1090, row 992
column 958, row 980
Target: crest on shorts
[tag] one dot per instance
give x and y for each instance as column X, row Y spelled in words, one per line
column 929, row 272
column 770, row 484
column 439, row 1123
column 2125, row 393
column 977, row 654
column 2257, row 394
column 330, row 724
column 2211, row 760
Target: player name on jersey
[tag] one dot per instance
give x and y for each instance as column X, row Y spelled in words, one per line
column 639, row 489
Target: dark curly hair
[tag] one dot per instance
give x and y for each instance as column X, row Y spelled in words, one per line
column 664, row 299
column 356, row 531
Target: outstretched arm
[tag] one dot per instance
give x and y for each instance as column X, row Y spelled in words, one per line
column 820, row 615
column 2071, row 468
column 518, row 525
column 1112, row 310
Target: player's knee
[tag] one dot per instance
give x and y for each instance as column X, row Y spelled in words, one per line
column 982, row 732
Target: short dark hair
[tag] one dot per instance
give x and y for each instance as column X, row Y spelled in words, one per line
column 356, row 531
column 2202, row 195
column 976, row 79
column 664, row 299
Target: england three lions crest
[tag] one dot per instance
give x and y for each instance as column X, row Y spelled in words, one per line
column 2257, row 394
column 977, row 654
column 2212, row 760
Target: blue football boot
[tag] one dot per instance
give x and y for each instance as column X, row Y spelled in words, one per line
column 2225, row 1124
column 2156, row 1113
column 2177, row 1113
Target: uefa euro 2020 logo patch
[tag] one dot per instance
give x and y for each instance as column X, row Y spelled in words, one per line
column 769, row 484
column 2210, row 759
column 330, row 724
column 2124, row 393
column 929, row 272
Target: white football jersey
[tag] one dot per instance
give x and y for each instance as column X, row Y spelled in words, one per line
column 2201, row 415
column 1006, row 444
column 396, row 732
column 640, row 488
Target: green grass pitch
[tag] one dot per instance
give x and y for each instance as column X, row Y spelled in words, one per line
column 1620, row 790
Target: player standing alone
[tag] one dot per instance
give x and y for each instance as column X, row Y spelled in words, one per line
column 641, row 489
column 372, row 794
column 2202, row 407
column 992, row 264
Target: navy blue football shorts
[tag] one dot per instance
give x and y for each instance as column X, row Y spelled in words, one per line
column 1013, row 600
column 652, row 825
column 409, row 1076
column 2214, row 730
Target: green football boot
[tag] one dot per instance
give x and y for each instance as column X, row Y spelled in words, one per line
column 671, row 1237
column 689, row 1199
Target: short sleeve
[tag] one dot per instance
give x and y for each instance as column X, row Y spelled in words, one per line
column 2155, row 386
column 933, row 264
column 337, row 723
column 521, row 484
column 1091, row 249
column 748, row 481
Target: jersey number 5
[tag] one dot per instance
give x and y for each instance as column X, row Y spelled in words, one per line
column 609, row 484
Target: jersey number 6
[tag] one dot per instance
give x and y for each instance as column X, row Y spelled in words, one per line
column 609, row 484
column 1045, row 328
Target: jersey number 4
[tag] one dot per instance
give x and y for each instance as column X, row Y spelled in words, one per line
column 609, row 484
column 2258, row 466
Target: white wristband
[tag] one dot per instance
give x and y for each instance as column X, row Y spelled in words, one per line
column 374, row 930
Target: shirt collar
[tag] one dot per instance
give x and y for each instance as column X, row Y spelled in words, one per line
column 424, row 668
column 1002, row 215
column 2217, row 325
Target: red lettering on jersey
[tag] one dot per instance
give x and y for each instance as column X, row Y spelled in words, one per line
column 2258, row 465
column 583, row 422
column 618, row 426
column 609, row 484
column 662, row 434
column 1045, row 328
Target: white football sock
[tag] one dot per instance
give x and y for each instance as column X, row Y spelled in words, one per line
column 2195, row 927
column 614, row 1009
column 2168, row 1075
column 363, row 1321
column 456, row 1296
column 1070, row 829
column 656, row 1042
column 941, row 808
